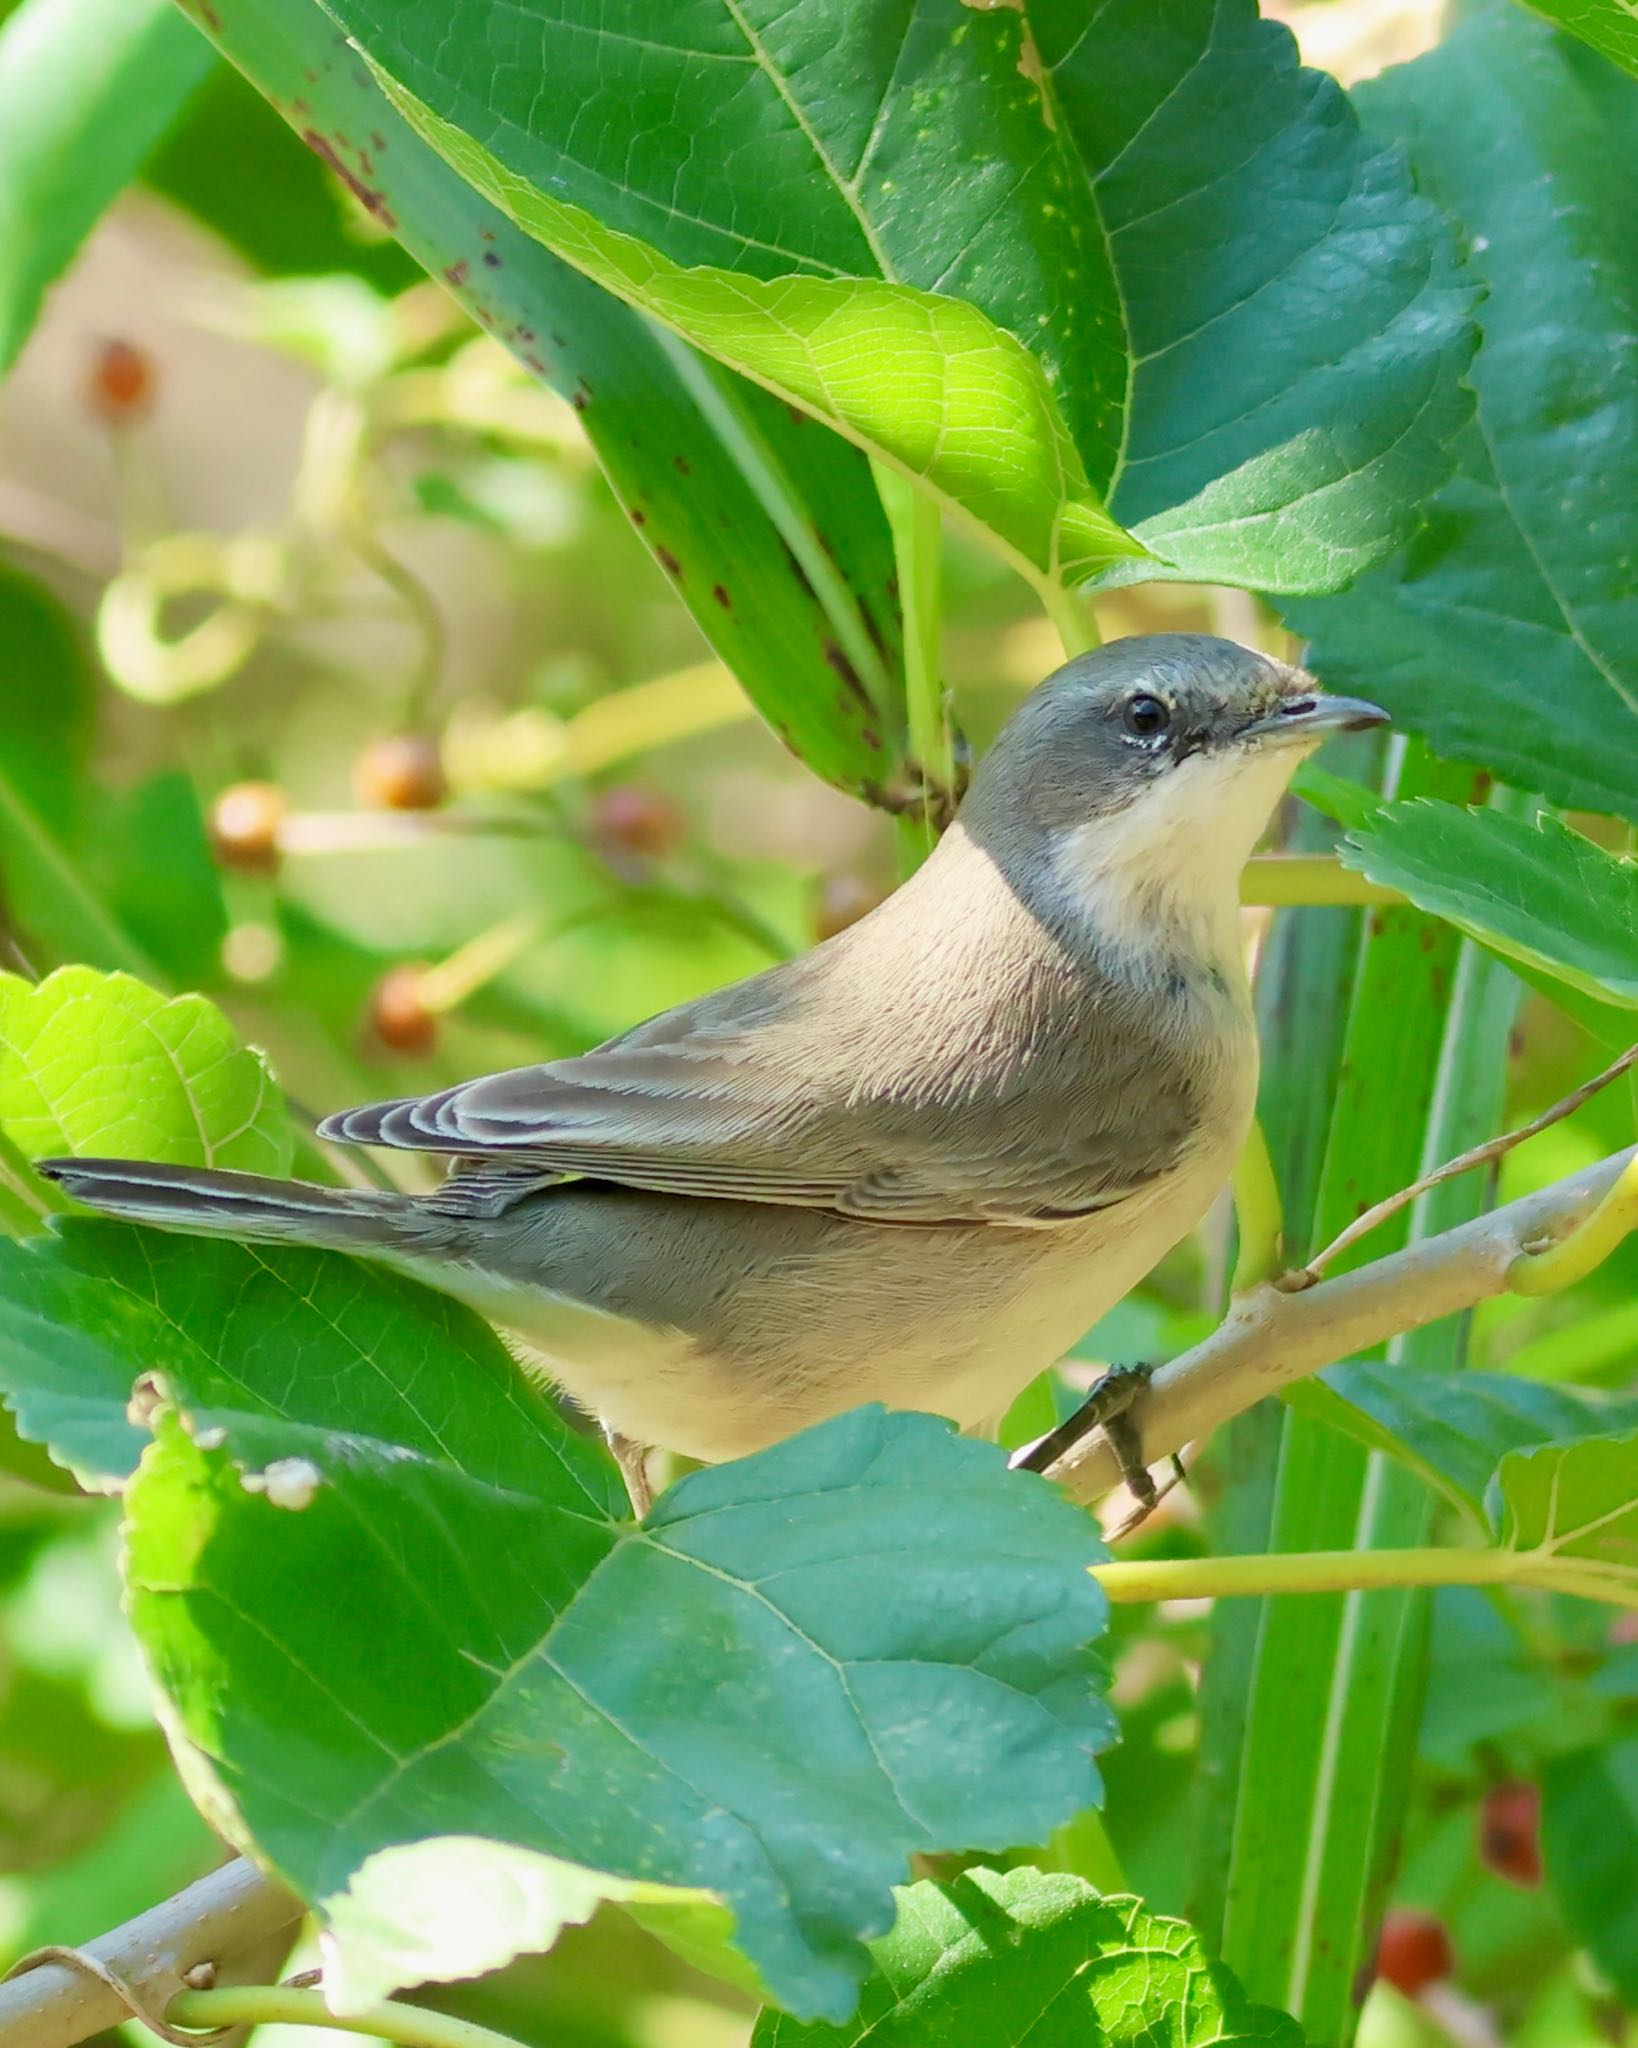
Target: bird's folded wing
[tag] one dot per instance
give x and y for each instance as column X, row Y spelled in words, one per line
column 717, row 1113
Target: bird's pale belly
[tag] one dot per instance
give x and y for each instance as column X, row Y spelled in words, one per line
column 793, row 1315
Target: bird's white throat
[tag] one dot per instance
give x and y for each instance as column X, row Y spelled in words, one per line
column 1165, row 871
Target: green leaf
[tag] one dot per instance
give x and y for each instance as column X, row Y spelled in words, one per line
column 768, row 528
column 1505, row 632
column 1589, row 1838
column 87, row 87
column 1001, row 1959
column 1279, row 433
column 1574, row 1507
column 1529, row 889
column 868, row 1641
column 1455, row 1428
column 1609, row 25
column 997, row 251
column 98, row 1063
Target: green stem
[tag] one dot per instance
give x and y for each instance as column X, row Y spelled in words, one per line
column 1277, row 880
column 1586, row 1247
column 1310, row 1571
column 929, row 735
column 1077, row 628
column 258, row 2005
column 1258, row 1218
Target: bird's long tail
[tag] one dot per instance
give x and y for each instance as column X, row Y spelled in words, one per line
column 250, row 1205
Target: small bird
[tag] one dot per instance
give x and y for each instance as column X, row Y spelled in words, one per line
column 913, row 1165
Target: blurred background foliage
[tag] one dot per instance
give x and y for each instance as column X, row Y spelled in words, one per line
column 348, row 694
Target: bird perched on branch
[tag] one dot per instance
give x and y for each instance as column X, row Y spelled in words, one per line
column 913, row 1165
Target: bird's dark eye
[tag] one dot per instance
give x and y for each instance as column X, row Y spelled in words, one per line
column 1145, row 716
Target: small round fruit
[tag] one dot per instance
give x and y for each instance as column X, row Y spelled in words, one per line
column 842, row 900
column 1510, row 1832
column 402, row 771
column 244, row 826
column 1414, row 1950
column 121, row 385
column 398, row 1014
column 632, row 819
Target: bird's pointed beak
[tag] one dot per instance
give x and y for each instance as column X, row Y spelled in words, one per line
column 1310, row 717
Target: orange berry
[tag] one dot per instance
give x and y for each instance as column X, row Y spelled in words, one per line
column 244, row 826
column 1510, row 1832
column 1414, row 1950
column 398, row 1016
column 121, row 385
column 632, row 819
column 842, row 900
column 401, row 772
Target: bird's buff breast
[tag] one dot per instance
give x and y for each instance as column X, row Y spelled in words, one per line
column 826, row 1312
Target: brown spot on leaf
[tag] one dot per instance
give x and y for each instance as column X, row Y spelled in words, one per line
column 638, row 516
column 579, row 400
column 721, row 596
column 458, row 273
column 492, row 258
column 836, row 659
column 366, row 195
column 682, row 465
column 668, row 561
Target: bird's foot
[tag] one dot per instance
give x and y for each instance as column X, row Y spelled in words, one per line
column 632, row 1459
column 1108, row 1408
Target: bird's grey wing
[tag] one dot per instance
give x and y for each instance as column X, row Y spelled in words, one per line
column 728, row 1098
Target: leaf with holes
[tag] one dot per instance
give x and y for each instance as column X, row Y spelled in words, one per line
column 1023, row 1958
column 1506, row 631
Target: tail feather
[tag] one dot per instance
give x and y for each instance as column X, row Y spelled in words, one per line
column 248, row 1205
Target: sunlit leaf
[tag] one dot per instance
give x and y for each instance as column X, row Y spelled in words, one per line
column 1571, row 1513
column 1026, row 1958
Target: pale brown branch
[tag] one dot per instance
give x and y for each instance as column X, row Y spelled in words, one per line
column 1270, row 1338
column 233, row 1909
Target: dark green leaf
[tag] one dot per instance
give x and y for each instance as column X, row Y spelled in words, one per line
column 1532, row 890
column 769, row 528
column 1506, row 631
column 1030, row 1959
column 1589, row 1838
column 1455, row 1428
column 997, row 250
column 87, row 87
column 804, row 1666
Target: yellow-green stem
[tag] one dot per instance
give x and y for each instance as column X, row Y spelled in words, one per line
column 258, row 2005
column 1586, row 1247
column 1312, row 1571
column 1258, row 1218
column 929, row 736
column 1276, row 880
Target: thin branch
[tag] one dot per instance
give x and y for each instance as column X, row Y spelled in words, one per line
column 1481, row 1155
column 1270, row 1338
column 53, row 2005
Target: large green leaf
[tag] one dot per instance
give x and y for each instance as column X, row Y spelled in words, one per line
column 1589, row 1838
column 1573, row 1508
column 87, row 87
column 801, row 1668
column 1026, row 260
column 1033, row 1959
column 1506, row 631
column 1609, row 25
column 1530, row 889
column 1455, row 1428
column 770, row 530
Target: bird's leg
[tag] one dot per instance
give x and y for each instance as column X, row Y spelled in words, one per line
column 632, row 1458
column 1107, row 1408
